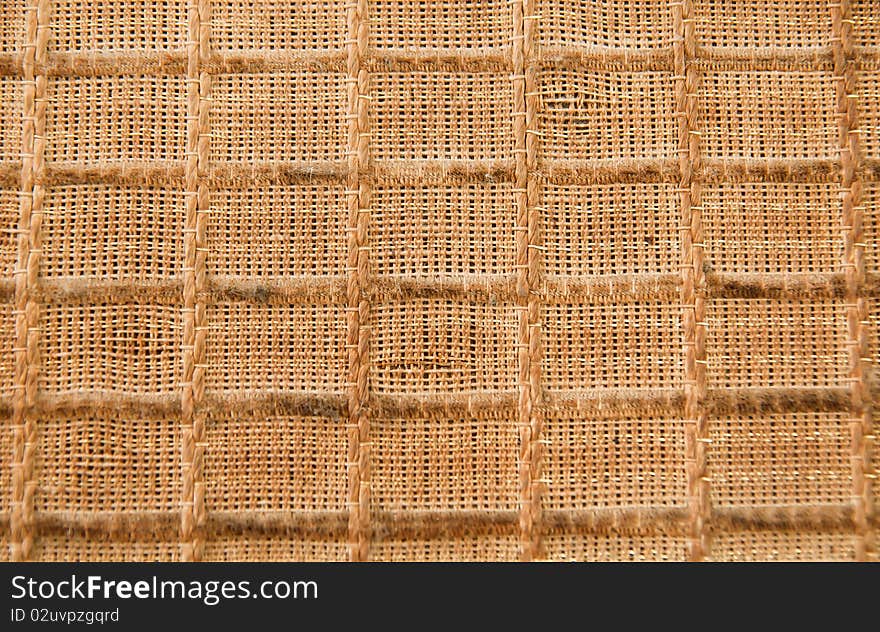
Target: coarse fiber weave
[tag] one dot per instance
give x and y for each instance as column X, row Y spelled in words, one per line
column 439, row 279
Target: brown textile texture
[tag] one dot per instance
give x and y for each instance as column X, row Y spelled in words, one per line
column 439, row 279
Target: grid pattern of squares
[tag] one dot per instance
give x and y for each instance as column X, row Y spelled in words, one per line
column 448, row 339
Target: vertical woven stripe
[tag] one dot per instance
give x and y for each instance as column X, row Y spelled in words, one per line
column 693, row 278
column 853, row 268
column 27, row 308
column 358, row 270
column 195, row 330
column 528, row 260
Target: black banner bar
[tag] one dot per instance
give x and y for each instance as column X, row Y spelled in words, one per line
column 131, row 595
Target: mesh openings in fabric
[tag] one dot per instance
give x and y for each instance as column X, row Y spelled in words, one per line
column 453, row 280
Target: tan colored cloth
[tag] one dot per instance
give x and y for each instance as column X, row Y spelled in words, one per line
column 431, row 280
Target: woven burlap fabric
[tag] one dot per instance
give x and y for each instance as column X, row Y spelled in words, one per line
column 438, row 280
